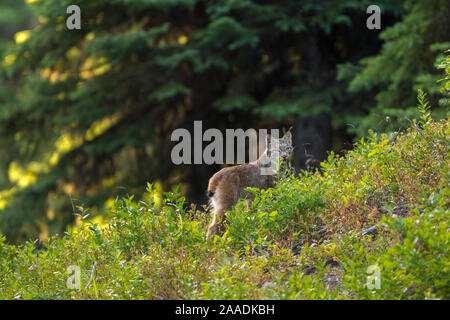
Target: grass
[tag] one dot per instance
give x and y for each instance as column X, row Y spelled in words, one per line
column 303, row 239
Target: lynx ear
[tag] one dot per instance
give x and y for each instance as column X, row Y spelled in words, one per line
column 288, row 134
column 268, row 145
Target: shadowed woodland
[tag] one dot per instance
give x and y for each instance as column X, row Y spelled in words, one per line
column 92, row 206
column 86, row 115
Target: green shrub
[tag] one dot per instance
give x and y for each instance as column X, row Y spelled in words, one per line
column 300, row 240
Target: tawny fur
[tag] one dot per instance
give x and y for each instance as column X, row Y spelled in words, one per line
column 227, row 186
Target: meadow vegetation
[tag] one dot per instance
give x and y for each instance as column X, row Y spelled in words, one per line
column 313, row 236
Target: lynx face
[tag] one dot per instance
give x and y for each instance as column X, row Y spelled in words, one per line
column 280, row 150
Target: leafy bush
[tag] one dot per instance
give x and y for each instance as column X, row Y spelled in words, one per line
column 307, row 238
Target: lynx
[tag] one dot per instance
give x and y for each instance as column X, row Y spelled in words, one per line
column 227, row 186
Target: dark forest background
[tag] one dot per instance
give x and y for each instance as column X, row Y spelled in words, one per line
column 86, row 115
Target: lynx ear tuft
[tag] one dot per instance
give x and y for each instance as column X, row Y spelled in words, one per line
column 267, row 141
column 288, row 134
column 267, row 151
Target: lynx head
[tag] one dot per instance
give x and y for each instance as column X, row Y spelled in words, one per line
column 279, row 148
column 276, row 157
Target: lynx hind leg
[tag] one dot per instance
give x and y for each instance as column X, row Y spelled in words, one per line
column 216, row 226
column 248, row 203
column 225, row 197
